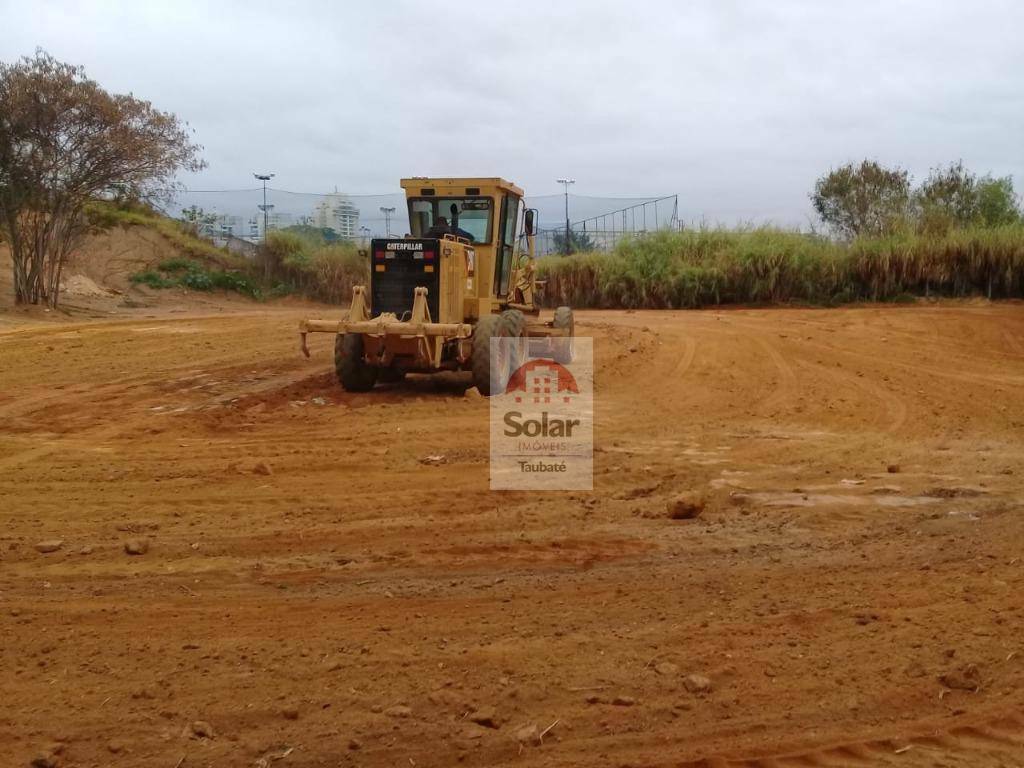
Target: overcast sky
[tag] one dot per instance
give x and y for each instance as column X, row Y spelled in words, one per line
column 737, row 106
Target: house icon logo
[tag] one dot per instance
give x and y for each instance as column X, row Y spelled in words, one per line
column 542, row 381
column 541, row 418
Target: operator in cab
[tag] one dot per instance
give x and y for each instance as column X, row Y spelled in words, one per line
column 441, row 227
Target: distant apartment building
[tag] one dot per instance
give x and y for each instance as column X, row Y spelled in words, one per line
column 337, row 212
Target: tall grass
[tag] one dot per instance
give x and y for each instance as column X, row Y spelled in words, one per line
column 297, row 263
column 768, row 265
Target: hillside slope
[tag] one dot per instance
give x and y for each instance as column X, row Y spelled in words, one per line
column 97, row 278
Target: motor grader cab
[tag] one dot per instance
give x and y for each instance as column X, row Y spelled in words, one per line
column 462, row 276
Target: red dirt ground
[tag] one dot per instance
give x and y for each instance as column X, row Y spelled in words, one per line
column 317, row 596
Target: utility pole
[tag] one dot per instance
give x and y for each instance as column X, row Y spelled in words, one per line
column 568, row 231
column 265, row 177
column 387, row 219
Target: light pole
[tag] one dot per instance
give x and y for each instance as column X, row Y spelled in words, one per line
column 568, row 233
column 387, row 219
column 366, row 234
column 264, row 177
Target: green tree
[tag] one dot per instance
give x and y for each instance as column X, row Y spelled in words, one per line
column 63, row 142
column 998, row 204
column 863, row 199
column 947, row 198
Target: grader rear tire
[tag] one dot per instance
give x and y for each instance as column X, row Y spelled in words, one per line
column 354, row 373
column 563, row 347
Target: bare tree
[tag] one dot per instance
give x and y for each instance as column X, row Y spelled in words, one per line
column 65, row 141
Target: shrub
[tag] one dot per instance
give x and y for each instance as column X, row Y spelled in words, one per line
column 190, row 274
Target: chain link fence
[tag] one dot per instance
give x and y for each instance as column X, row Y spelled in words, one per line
column 237, row 217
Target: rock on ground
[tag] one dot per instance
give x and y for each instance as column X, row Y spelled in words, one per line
column 46, row 759
column 202, row 730
column 136, row 546
column 967, row 678
column 49, row 545
column 697, row 684
column 484, row 716
column 667, row 668
column 686, row 506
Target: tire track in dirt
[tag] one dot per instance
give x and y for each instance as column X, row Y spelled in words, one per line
column 997, row 742
column 1014, row 343
column 954, row 372
column 895, row 407
column 128, row 393
column 786, row 384
column 686, row 358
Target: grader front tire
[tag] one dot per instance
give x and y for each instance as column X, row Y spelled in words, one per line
column 354, row 373
column 489, row 327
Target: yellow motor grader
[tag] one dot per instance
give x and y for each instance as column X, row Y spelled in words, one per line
column 440, row 294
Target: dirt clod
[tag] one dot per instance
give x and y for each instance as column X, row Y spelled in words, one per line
column 49, row 545
column 667, row 668
column 290, row 713
column 697, row 684
column 965, row 678
column 202, row 730
column 399, row 711
column 624, row 701
column 484, row 716
column 46, row 759
column 138, row 546
column 686, row 506
column 528, row 734
column 262, row 468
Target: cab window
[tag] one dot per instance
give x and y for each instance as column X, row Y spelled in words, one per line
column 466, row 216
